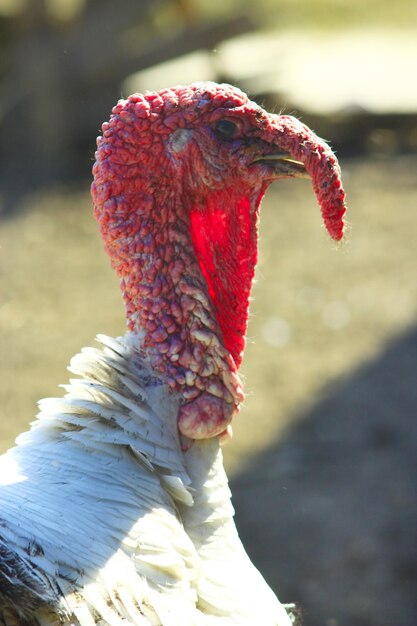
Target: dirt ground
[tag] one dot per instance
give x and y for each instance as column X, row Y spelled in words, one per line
column 323, row 459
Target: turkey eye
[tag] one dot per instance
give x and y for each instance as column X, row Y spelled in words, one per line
column 226, row 129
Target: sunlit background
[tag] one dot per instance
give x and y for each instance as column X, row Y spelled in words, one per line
column 323, row 459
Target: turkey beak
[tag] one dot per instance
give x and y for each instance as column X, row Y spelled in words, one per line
column 282, row 164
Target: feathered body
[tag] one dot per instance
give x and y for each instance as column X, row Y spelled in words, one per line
column 111, row 522
column 114, row 507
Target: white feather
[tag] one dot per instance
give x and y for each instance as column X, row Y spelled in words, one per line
column 128, row 528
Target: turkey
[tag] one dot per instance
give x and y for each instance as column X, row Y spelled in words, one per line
column 114, row 506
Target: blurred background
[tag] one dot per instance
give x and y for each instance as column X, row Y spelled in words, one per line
column 323, row 461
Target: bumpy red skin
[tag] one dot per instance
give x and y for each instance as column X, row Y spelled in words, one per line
column 178, row 204
column 320, row 162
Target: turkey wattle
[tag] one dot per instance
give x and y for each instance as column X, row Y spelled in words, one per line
column 114, row 507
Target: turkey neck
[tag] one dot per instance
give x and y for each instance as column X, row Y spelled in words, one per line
column 156, row 245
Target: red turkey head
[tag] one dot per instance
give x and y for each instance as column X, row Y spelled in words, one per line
column 178, row 181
